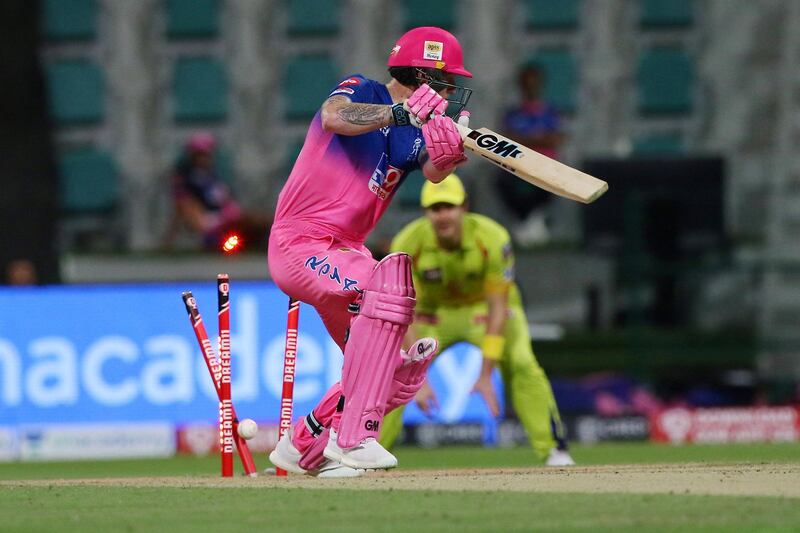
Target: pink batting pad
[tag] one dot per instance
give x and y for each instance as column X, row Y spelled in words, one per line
column 406, row 382
column 408, row 379
column 372, row 352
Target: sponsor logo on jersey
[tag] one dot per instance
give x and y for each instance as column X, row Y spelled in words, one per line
column 433, row 50
column 350, row 81
column 343, row 90
column 415, row 149
column 432, row 274
column 501, row 147
column 383, row 182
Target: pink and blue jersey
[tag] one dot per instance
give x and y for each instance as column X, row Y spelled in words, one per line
column 343, row 184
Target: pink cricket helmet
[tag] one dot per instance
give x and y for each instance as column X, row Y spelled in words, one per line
column 429, row 47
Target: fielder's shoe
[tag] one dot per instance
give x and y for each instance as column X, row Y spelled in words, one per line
column 559, row 458
column 369, row 455
column 285, row 455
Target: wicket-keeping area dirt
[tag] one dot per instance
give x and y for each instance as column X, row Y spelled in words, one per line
column 768, row 479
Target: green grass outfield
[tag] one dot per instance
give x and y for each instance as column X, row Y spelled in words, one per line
column 196, row 500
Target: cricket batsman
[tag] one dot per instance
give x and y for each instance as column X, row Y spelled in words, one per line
column 463, row 270
column 362, row 143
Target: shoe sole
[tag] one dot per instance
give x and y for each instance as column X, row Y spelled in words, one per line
column 341, row 472
column 278, row 461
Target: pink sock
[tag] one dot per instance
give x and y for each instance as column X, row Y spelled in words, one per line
column 308, row 429
column 313, row 455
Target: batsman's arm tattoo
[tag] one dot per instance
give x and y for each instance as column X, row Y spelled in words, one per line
column 365, row 114
column 350, row 118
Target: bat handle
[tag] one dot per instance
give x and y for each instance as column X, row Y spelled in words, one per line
column 463, row 118
column 464, row 131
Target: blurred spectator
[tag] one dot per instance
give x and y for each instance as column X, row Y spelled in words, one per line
column 535, row 124
column 21, row 272
column 204, row 202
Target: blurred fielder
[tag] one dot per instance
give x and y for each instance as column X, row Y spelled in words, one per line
column 463, row 270
column 360, row 146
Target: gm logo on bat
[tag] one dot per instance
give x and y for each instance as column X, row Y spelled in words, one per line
column 503, row 148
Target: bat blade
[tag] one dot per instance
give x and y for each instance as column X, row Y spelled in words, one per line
column 533, row 167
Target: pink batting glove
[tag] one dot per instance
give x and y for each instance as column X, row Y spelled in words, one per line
column 423, row 103
column 443, row 142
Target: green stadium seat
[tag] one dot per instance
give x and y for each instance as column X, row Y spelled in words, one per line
column 192, row 19
column 441, row 13
column 409, row 191
column 200, row 90
column 553, row 14
column 225, row 165
column 309, row 80
column 75, row 91
column 662, row 144
column 69, row 20
column 558, row 65
column 665, row 13
column 313, row 17
column 665, row 81
column 87, row 181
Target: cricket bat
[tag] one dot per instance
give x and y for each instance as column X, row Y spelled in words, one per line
column 532, row 166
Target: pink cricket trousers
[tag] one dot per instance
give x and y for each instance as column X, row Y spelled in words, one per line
column 324, row 271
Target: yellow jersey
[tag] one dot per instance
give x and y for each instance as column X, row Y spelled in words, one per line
column 482, row 265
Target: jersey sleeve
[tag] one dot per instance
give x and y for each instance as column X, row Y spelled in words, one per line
column 355, row 87
column 500, row 271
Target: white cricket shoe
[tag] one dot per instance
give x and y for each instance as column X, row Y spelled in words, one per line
column 559, row 458
column 285, row 455
column 334, row 469
column 368, row 455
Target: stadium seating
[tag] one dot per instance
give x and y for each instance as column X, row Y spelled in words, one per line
column 441, row 13
column 664, row 81
column 553, row 14
column 560, row 87
column 192, row 19
column 309, row 80
column 225, row 164
column 87, row 181
column 76, row 91
column 655, row 14
column 661, row 144
column 200, row 90
column 313, row 17
column 69, row 20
